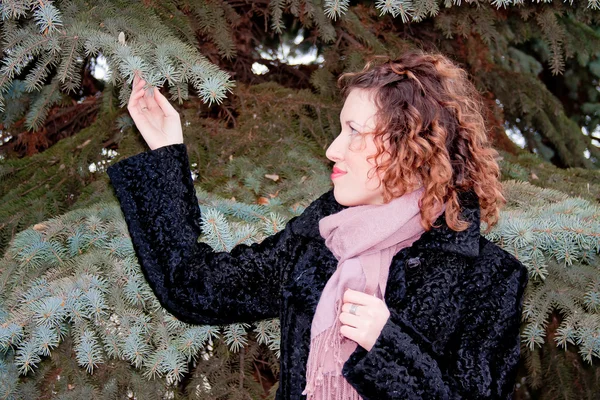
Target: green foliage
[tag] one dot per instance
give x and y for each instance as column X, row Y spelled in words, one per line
column 276, row 150
column 160, row 42
column 279, row 132
column 557, row 238
column 40, row 187
column 574, row 182
column 69, row 285
column 76, row 277
column 155, row 50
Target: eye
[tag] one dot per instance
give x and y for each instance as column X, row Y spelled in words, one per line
column 353, row 131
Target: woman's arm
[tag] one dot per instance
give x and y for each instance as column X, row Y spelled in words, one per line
column 192, row 281
column 482, row 363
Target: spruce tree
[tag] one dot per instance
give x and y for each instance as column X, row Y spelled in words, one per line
column 258, row 143
column 537, row 65
column 74, row 282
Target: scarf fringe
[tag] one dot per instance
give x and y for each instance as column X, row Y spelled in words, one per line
column 326, row 385
column 331, row 387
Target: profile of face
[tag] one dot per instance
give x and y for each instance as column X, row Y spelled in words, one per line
column 354, row 178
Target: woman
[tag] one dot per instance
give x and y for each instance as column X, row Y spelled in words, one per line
column 384, row 287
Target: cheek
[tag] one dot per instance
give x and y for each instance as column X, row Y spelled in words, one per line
column 369, row 176
column 372, row 182
column 372, row 175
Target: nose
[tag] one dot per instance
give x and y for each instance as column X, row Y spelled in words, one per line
column 335, row 151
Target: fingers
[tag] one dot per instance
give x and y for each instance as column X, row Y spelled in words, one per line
column 351, row 333
column 136, row 101
column 346, row 308
column 349, row 319
column 139, row 100
column 360, row 298
column 144, row 106
column 152, row 99
column 150, row 102
column 164, row 104
column 135, row 89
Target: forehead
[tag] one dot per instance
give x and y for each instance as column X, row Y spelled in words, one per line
column 360, row 107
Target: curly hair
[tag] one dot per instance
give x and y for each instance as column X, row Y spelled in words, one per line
column 430, row 124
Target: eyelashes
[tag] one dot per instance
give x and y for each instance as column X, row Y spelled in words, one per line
column 353, row 132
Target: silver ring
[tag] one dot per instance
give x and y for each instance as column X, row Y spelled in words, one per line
column 353, row 309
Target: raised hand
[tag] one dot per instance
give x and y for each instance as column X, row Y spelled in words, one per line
column 154, row 116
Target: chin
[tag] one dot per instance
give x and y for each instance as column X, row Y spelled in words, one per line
column 340, row 198
column 349, row 200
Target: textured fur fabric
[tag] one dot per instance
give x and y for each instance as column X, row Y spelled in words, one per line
column 455, row 298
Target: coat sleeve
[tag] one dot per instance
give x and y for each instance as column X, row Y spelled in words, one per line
column 192, row 281
column 482, row 362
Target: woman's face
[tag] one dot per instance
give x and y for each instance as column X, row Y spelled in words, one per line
column 355, row 185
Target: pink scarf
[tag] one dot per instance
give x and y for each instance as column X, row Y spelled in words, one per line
column 364, row 239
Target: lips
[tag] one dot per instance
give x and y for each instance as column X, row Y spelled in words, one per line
column 337, row 172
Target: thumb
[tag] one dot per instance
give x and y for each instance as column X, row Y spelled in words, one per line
column 164, row 104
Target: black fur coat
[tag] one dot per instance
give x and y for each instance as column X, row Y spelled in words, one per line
column 454, row 297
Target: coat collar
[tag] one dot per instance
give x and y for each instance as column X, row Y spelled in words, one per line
column 442, row 238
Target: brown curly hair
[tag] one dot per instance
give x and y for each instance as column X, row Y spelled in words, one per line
column 430, row 123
